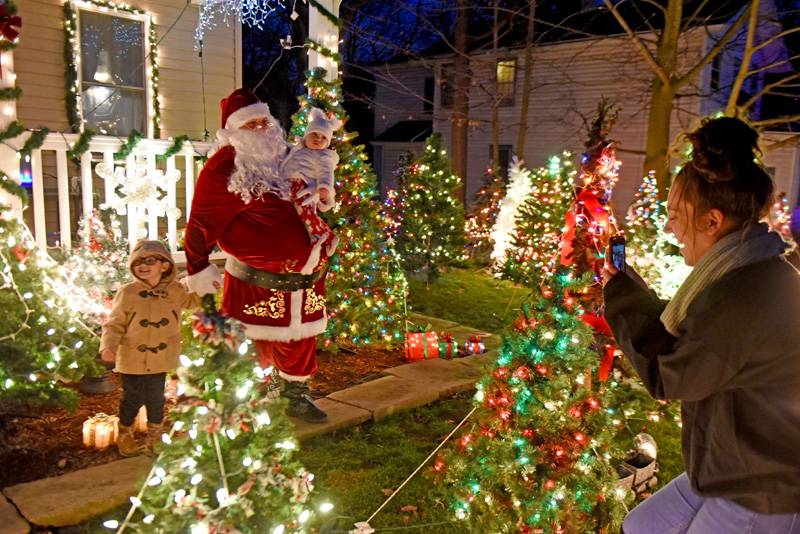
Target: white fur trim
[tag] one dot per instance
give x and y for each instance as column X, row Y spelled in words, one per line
column 242, row 116
column 295, row 331
column 313, row 259
column 202, row 282
column 293, row 378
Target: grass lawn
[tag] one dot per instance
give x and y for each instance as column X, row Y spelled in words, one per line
column 356, row 468
column 469, row 296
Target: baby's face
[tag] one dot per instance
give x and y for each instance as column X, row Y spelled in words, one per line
column 316, row 141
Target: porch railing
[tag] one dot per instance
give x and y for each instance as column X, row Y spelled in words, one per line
column 53, row 156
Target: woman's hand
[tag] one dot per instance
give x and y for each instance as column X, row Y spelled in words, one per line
column 609, row 271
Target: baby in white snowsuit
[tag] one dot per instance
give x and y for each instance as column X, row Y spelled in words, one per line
column 310, row 166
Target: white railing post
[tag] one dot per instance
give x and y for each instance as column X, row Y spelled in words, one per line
column 321, row 30
column 39, row 227
column 108, row 159
column 172, row 222
column 152, row 218
column 62, row 175
column 86, row 184
column 132, row 211
column 188, row 175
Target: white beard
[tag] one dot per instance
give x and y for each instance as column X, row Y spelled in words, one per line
column 259, row 154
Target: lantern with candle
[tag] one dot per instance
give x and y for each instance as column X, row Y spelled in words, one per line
column 100, row 431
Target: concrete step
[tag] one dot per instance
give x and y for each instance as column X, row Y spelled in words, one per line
column 387, row 395
column 10, row 520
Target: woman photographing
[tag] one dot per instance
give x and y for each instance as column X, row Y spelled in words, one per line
column 727, row 345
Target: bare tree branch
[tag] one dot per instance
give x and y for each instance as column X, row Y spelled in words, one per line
column 775, row 37
column 784, row 142
column 776, row 120
column 646, row 54
column 767, row 88
column 738, row 82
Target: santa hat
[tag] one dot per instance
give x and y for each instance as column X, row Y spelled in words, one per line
column 241, row 107
column 319, row 122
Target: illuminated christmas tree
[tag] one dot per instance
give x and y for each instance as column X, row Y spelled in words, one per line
column 482, row 216
column 520, row 185
column 432, row 231
column 533, row 252
column 98, row 265
column 537, row 459
column 226, row 464
column 651, row 251
column 393, row 206
column 366, row 286
column 42, row 339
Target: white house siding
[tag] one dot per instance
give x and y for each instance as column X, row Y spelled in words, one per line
column 39, row 62
column 390, row 156
column 399, row 94
column 785, row 161
column 569, row 79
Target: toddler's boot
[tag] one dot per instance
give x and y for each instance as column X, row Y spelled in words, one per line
column 154, row 431
column 126, row 443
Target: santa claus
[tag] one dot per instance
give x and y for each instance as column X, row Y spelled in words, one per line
column 273, row 283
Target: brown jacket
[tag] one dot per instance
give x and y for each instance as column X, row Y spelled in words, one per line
column 736, row 370
column 144, row 327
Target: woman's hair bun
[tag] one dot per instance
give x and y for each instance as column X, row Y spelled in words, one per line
column 721, row 147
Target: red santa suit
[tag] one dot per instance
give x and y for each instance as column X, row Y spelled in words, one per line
column 273, row 283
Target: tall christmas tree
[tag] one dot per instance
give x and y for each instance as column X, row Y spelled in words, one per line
column 366, row 285
column 533, row 252
column 432, row 231
column 483, row 214
column 652, row 252
column 520, row 185
column 226, row 464
column 537, row 458
column 42, row 339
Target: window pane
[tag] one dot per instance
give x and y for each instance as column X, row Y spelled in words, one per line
column 114, row 111
column 506, row 70
column 112, row 49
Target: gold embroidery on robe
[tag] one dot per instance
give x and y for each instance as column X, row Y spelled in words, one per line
column 314, row 302
column 290, row 266
column 274, row 308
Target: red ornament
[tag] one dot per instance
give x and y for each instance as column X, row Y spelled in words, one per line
column 528, row 433
column 550, row 484
column 575, row 412
column 22, row 254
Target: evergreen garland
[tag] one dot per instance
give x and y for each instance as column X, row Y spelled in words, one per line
column 174, row 148
column 36, row 140
column 134, row 138
column 12, row 130
column 336, row 21
column 324, row 50
column 82, row 144
column 10, row 93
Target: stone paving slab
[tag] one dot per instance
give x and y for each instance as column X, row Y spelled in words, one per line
column 386, row 395
column 478, row 361
column 10, row 520
column 340, row 415
column 444, row 376
column 78, row 496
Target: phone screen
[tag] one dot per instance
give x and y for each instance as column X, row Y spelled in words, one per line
column 618, row 252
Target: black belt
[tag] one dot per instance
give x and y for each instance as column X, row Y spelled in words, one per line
column 267, row 280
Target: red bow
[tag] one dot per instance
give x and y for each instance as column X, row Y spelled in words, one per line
column 10, row 25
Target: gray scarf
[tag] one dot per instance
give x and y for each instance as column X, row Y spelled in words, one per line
column 735, row 250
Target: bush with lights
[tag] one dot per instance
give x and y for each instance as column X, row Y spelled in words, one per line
column 539, row 456
column 42, row 340
column 482, row 216
column 226, row 464
column 536, row 238
column 431, row 234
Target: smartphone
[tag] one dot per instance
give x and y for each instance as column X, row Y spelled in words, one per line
column 617, row 244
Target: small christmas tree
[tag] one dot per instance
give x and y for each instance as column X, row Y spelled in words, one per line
column 537, row 459
column 226, row 465
column 483, row 215
column 520, row 185
column 393, row 206
column 98, row 265
column 432, row 234
column 366, row 286
column 533, row 253
column 42, row 339
column 651, row 251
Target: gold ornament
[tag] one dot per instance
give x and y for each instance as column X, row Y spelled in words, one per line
column 274, row 308
column 314, row 302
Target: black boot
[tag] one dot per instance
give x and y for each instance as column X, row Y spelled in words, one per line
column 301, row 405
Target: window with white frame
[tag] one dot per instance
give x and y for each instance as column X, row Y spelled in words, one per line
column 113, row 75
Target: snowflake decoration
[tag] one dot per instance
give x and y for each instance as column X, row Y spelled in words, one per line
column 138, row 189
